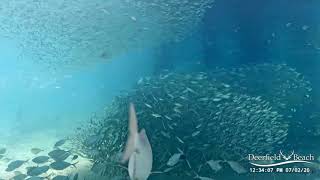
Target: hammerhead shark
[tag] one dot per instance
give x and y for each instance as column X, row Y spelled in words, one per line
column 138, row 150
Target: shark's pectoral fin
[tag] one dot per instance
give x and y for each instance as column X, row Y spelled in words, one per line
column 143, row 139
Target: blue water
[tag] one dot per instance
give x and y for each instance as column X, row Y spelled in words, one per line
column 43, row 97
column 36, row 98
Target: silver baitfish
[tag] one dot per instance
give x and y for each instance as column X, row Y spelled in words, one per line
column 174, row 159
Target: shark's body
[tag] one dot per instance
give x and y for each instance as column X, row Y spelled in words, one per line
column 138, row 150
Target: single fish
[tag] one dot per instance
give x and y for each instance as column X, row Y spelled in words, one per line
column 204, row 99
column 168, row 169
column 216, row 99
column 198, row 126
column 178, row 104
column 156, row 115
column 171, row 96
column 133, row 18
column 195, row 133
column 169, row 118
column 35, row 171
column 40, row 159
column 177, row 110
column 184, row 98
column 60, row 143
column 138, row 150
column 164, row 76
column 174, row 159
column 165, row 134
column 140, row 81
column 3, row 150
column 288, row 24
column 14, row 165
column 19, row 177
column 214, row 165
column 203, row 178
column 237, row 167
column 191, row 90
column 59, row 154
column 305, row 27
column 61, row 165
column 148, row 105
column 36, row 150
column 180, row 140
column 170, row 127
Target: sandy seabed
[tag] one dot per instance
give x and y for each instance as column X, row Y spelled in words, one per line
column 20, row 149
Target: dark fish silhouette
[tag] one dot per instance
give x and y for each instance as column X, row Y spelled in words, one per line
column 59, row 154
column 36, row 150
column 3, row 150
column 35, row 171
column 14, row 165
column 40, row 159
column 19, row 177
column 60, row 143
column 61, row 165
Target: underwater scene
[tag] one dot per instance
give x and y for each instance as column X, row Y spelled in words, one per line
column 159, row 90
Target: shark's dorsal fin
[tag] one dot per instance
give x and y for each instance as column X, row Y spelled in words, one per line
column 133, row 132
